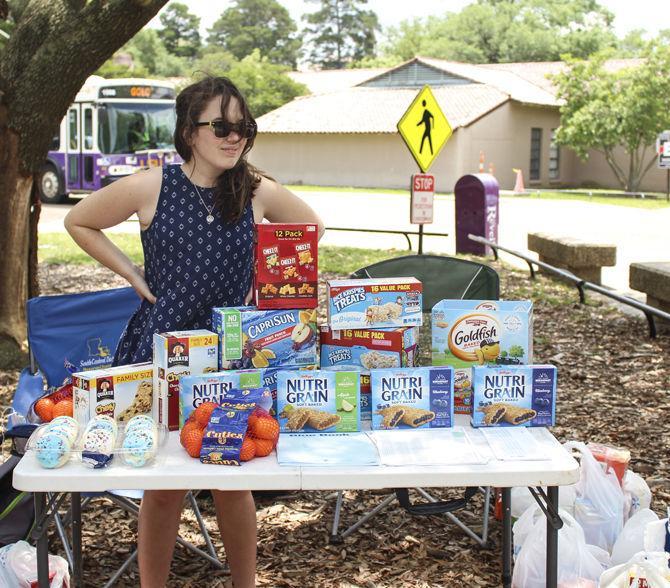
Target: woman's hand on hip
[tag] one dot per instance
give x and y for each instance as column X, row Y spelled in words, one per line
column 138, row 282
column 250, row 295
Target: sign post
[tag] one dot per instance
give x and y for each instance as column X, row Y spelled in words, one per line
column 663, row 150
column 425, row 130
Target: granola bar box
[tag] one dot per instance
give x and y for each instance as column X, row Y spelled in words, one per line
column 177, row 354
column 269, row 380
column 512, row 396
column 253, row 338
column 374, row 303
column 412, row 398
column 286, row 261
column 119, row 392
column 466, row 333
column 318, row 401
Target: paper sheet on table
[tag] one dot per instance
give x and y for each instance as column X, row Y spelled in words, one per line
column 426, row 447
column 516, row 443
column 326, row 449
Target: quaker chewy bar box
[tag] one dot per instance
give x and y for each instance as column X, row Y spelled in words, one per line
column 177, row 354
column 374, row 303
column 253, row 338
column 318, row 401
column 119, row 392
column 412, row 398
column 509, row 396
column 466, row 333
column 286, row 261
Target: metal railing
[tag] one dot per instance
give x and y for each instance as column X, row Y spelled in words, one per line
column 582, row 285
column 392, row 232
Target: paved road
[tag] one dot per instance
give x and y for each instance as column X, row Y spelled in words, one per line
column 639, row 234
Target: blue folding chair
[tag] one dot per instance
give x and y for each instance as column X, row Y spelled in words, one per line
column 70, row 333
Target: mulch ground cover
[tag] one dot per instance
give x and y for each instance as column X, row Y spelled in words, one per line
column 614, row 387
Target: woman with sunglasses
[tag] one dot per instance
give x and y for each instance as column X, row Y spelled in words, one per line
column 197, row 224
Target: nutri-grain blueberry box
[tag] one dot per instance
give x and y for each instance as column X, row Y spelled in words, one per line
column 412, row 398
column 513, row 396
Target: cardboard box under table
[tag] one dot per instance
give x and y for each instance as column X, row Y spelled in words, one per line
column 182, row 472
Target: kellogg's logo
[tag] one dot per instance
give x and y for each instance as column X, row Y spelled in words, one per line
column 469, row 332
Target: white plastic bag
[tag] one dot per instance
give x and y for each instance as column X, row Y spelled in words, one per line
column 645, row 569
column 575, row 561
column 600, row 502
column 637, row 491
column 524, row 525
column 654, row 535
column 631, row 539
column 522, row 499
column 18, row 567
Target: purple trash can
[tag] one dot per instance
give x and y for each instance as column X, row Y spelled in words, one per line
column 476, row 198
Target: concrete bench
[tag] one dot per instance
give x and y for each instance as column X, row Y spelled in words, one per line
column 652, row 278
column 583, row 259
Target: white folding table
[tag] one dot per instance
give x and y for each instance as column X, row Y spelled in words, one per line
column 176, row 470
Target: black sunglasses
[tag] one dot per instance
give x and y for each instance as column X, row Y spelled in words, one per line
column 223, row 128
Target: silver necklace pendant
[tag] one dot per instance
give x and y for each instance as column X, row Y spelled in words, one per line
column 210, row 219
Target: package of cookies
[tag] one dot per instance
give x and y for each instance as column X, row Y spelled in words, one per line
column 286, row 260
column 118, row 392
column 412, row 398
column 318, row 401
column 177, row 354
column 374, row 303
column 253, row 338
column 467, row 333
column 514, row 396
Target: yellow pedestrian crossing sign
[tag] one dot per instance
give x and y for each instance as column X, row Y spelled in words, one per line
column 424, row 128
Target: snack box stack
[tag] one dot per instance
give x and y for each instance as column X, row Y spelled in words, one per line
column 178, row 354
column 468, row 333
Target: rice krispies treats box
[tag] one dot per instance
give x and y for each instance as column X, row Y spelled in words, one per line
column 374, row 303
column 412, row 398
column 177, row 354
column 253, row 338
column 286, row 262
column 514, row 396
column 318, row 401
column 120, row 392
column 466, row 333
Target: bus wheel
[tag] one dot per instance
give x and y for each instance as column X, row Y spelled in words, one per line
column 49, row 186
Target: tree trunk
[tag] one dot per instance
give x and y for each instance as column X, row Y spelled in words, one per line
column 55, row 46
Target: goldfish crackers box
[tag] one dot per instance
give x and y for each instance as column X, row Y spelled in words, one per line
column 514, row 395
column 318, row 401
column 412, row 398
column 286, row 273
column 177, row 354
column 119, row 392
column 466, row 333
column 374, row 303
column 253, row 338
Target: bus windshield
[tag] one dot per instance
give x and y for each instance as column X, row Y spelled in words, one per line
column 132, row 127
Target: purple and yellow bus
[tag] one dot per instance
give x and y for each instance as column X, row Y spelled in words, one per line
column 114, row 128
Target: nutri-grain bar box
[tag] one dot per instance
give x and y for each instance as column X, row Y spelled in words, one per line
column 177, row 354
column 374, row 303
column 286, row 261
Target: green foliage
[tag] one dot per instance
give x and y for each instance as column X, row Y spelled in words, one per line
column 340, row 32
column 499, row 31
column 180, row 30
column 214, row 61
column 257, row 24
column 603, row 110
column 149, row 52
column 109, row 70
column 516, row 351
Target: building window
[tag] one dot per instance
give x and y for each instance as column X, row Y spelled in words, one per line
column 554, row 157
column 535, row 153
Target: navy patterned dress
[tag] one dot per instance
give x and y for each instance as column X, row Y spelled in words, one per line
column 190, row 265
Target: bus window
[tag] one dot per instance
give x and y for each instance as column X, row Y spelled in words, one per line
column 88, row 128
column 73, row 126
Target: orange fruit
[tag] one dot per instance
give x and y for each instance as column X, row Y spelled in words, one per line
column 63, row 408
column 189, row 426
column 252, row 419
column 192, row 441
column 44, row 408
column 264, row 447
column 266, row 428
column 248, row 450
column 203, row 412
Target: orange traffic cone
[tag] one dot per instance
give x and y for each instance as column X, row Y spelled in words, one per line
column 481, row 162
column 492, row 169
column 518, row 185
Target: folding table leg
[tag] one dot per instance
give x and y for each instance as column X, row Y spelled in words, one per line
column 75, row 498
column 507, row 537
column 42, row 542
column 552, row 539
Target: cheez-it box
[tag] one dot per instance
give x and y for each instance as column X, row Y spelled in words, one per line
column 286, row 273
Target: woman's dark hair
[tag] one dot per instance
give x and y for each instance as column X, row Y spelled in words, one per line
column 234, row 187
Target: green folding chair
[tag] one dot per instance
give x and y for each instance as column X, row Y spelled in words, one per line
column 442, row 278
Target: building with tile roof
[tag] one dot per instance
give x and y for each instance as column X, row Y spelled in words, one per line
column 344, row 133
